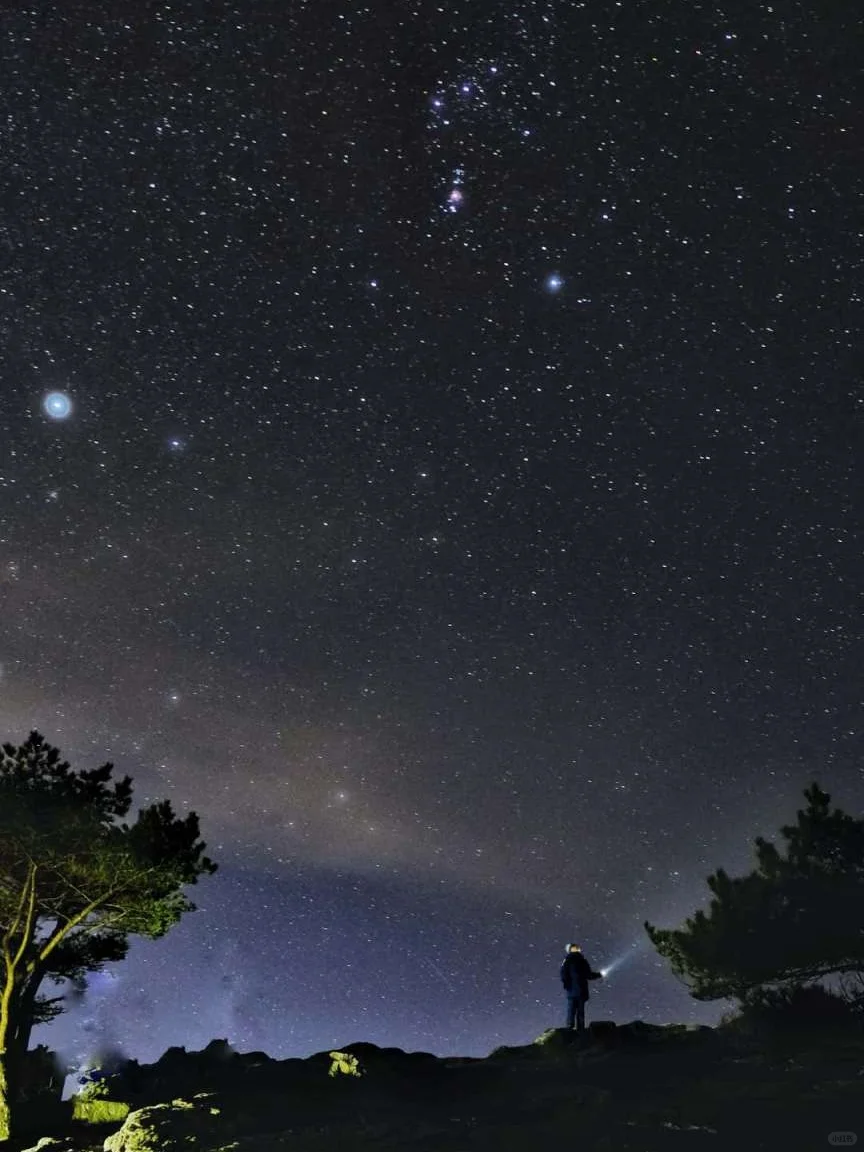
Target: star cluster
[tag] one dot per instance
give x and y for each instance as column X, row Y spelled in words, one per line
column 430, row 443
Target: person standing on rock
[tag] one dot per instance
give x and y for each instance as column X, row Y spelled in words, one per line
column 575, row 974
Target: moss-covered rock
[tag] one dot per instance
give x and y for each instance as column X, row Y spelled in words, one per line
column 180, row 1126
column 344, row 1064
column 93, row 1106
column 100, row 1111
column 55, row 1144
column 552, row 1037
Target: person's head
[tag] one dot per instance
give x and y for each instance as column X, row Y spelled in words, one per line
column 574, row 948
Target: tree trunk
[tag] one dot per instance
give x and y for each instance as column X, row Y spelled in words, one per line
column 14, row 952
column 21, row 1025
column 15, row 1030
column 5, row 1095
column 5, row 1114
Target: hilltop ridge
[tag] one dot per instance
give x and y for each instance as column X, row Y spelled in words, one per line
column 634, row 1088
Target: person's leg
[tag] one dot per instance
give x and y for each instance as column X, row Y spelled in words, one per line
column 580, row 1015
column 571, row 1011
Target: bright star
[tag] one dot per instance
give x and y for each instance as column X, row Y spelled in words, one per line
column 57, row 405
column 554, row 283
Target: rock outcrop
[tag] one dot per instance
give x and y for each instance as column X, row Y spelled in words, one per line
column 173, row 1127
column 631, row 1088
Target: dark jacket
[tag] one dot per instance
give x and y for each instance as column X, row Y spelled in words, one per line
column 575, row 974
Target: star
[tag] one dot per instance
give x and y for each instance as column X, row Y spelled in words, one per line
column 57, row 405
column 553, row 282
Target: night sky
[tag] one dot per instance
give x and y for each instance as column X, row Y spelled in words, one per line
column 429, row 450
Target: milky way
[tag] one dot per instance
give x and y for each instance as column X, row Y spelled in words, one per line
column 459, row 506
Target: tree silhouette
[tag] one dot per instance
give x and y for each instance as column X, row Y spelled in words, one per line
column 74, row 885
column 797, row 917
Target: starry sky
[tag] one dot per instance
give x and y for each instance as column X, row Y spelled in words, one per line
column 430, row 452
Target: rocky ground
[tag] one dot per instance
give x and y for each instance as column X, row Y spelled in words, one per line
column 636, row 1087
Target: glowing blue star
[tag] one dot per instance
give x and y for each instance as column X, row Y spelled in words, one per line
column 57, row 405
column 553, row 283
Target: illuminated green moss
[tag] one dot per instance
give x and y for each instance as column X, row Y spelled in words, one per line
column 345, row 1063
column 99, row 1111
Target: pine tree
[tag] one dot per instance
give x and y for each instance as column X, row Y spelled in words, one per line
column 74, row 885
column 798, row 917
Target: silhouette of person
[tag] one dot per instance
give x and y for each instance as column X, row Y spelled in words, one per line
column 575, row 974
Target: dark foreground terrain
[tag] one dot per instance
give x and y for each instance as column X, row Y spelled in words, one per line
column 634, row 1088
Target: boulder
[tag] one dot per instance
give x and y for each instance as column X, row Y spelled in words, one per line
column 180, row 1126
column 647, row 1033
column 55, row 1144
column 98, row 1110
column 565, row 1037
column 670, row 1035
column 219, row 1050
column 552, row 1037
column 561, row 1041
